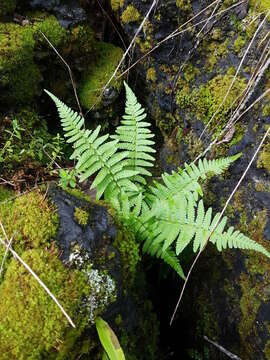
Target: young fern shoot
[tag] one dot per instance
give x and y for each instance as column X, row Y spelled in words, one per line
column 167, row 216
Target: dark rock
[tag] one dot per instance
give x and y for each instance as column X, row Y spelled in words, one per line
column 68, row 12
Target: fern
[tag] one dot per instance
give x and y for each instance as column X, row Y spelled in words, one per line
column 168, row 216
column 133, row 136
column 96, row 154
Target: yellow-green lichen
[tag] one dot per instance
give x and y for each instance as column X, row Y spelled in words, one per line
column 117, row 4
column 107, row 58
column 151, row 75
column 264, row 157
column 81, row 216
column 32, row 326
column 130, row 14
column 184, row 5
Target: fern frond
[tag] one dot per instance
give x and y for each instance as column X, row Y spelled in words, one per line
column 96, row 154
column 186, row 181
column 134, row 136
column 179, row 225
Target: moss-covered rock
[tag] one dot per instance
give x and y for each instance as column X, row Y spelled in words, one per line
column 107, row 58
column 32, row 326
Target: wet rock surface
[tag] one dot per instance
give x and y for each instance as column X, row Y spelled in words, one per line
column 181, row 78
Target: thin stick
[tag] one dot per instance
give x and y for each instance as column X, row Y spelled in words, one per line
column 124, row 55
column 222, row 349
column 218, row 220
column 41, row 283
column 235, row 76
column 69, row 71
column 177, row 32
column 5, row 255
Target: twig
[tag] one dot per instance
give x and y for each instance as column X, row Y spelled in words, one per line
column 69, row 71
column 218, row 220
column 177, row 32
column 222, row 349
column 125, row 53
column 235, row 76
column 41, row 283
column 5, row 255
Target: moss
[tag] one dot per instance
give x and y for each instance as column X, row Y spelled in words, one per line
column 190, row 72
column 267, row 350
column 128, row 247
column 19, row 74
column 7, row 7
column 78, row 194
column 205, row 100
column 32, row 326
column 81, row 216
column 215, row 52
column 151, row 75
column 130, row 14
column 239, row 43
column 184, row 5
column 50, row 27
column 29, row 213
column 5, row 193
column 107, row 58
column 266, row 110
column 261, row 5
column 264, row 157
column 82, row 42
column 195, row 145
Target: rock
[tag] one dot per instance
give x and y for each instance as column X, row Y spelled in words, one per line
column 191, row 80
column 68, row 12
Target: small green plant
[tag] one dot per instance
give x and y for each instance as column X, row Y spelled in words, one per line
column 109, row 341
column 8, row 147
column 67, row 178
column 166, row 217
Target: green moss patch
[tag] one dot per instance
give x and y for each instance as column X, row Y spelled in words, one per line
column 107, row 58
column 205, row 100
column 32, row 326
column 264, row 157
column 81, row 216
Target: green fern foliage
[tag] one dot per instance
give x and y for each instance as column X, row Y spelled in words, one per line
column 169, row 215
column 96, row 154
column 134, row 136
